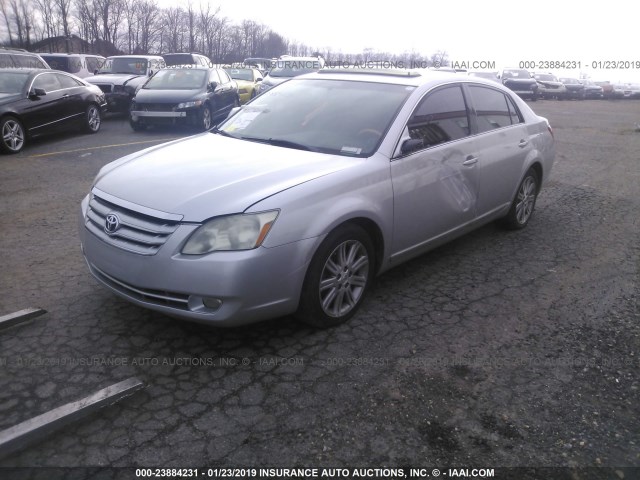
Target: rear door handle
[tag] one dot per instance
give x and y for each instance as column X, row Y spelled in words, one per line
column 470, row 160
column 523, row 143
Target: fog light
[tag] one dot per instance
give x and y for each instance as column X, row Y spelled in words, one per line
column 212, row 303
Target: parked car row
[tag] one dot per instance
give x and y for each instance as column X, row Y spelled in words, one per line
column 549, row 86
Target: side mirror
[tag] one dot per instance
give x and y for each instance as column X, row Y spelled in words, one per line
column 37, row 92
column 212, row 86
column 411, row 145
column 258, row 79
column 151, row 72
column 95, row 72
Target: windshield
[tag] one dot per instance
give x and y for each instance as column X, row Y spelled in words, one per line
column 240, row 73
column 136, row 66
column 293, row 68
column 11, row 82
column 487, row 75
column 516, row 74
column 331, row 116
column 177, row 79
column 546, row 78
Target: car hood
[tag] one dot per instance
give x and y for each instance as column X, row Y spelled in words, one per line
column 550, row 83
column 208, row 175
column 114, row 78
column 165, row 96
column 519, row 81
column 273, row 81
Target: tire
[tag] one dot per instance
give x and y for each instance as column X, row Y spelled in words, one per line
column 12, row 135
column 338, row 278
column 92, row 119
column 524, row 204
column 206, row 122
column 137, row 126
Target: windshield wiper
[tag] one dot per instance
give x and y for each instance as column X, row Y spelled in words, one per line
column 281, row 143
column 222, row 132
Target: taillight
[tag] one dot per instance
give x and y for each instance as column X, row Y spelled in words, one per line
column 550, row 130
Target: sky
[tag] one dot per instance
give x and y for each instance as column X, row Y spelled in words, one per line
column 505, row 32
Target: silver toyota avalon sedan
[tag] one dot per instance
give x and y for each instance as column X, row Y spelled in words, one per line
column 296, row 201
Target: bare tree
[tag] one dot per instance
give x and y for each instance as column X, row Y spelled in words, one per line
column 7, row 19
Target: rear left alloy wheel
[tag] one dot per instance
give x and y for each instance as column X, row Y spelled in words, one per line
column 93, row 119
column 525, row 202
column 338, row 278
column 12, row 135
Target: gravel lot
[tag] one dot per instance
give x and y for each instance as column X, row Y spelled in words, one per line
column 500, row 349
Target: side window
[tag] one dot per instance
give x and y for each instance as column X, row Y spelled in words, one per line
column 93, row 64
column 75, row 64
column 492, row 109
column 66, row 81
column 213, row 76
column 440, row 117
column 513, row 112
column 47, row 81
column 27, row 61
column 224, row 77
column 6, row 61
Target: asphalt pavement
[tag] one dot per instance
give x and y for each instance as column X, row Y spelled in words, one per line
column 500, row 349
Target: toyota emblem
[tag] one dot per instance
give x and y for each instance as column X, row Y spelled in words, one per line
column 111, row 223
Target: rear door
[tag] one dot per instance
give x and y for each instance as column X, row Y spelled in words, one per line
column 502, row 142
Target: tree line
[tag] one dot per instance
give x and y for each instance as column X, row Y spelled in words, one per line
column 143, row 27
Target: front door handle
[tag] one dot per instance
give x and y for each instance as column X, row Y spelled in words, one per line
column 470, row 160
column 523, row 143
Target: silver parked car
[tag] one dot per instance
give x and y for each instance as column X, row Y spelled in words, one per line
column 295, row 202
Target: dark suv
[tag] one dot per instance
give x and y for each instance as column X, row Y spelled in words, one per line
column 521, row 82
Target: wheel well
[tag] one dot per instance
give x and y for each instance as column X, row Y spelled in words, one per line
column 538, row 169
column 374, row 232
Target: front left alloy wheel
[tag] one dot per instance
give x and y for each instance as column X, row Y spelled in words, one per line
column 93, row 119
column 338, row 277
column 13, row 135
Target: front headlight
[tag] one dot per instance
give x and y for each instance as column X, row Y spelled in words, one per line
column 196, row 103
column 235, row 232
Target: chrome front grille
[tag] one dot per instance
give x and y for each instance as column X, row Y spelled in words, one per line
column 137, row 232
column 156, row 107
column 156, row 297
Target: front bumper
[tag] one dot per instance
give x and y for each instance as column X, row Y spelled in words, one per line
column 118, row 101
column 251, row 285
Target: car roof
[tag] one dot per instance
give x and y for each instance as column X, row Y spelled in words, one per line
column 137, row 56
column 393, row 76
column 57, row 54
column 189, row 66
column 28, row 70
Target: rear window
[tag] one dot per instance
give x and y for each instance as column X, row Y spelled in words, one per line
column 179, row 59
column 6, row 61
column 27, row 61
column 71, row 64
